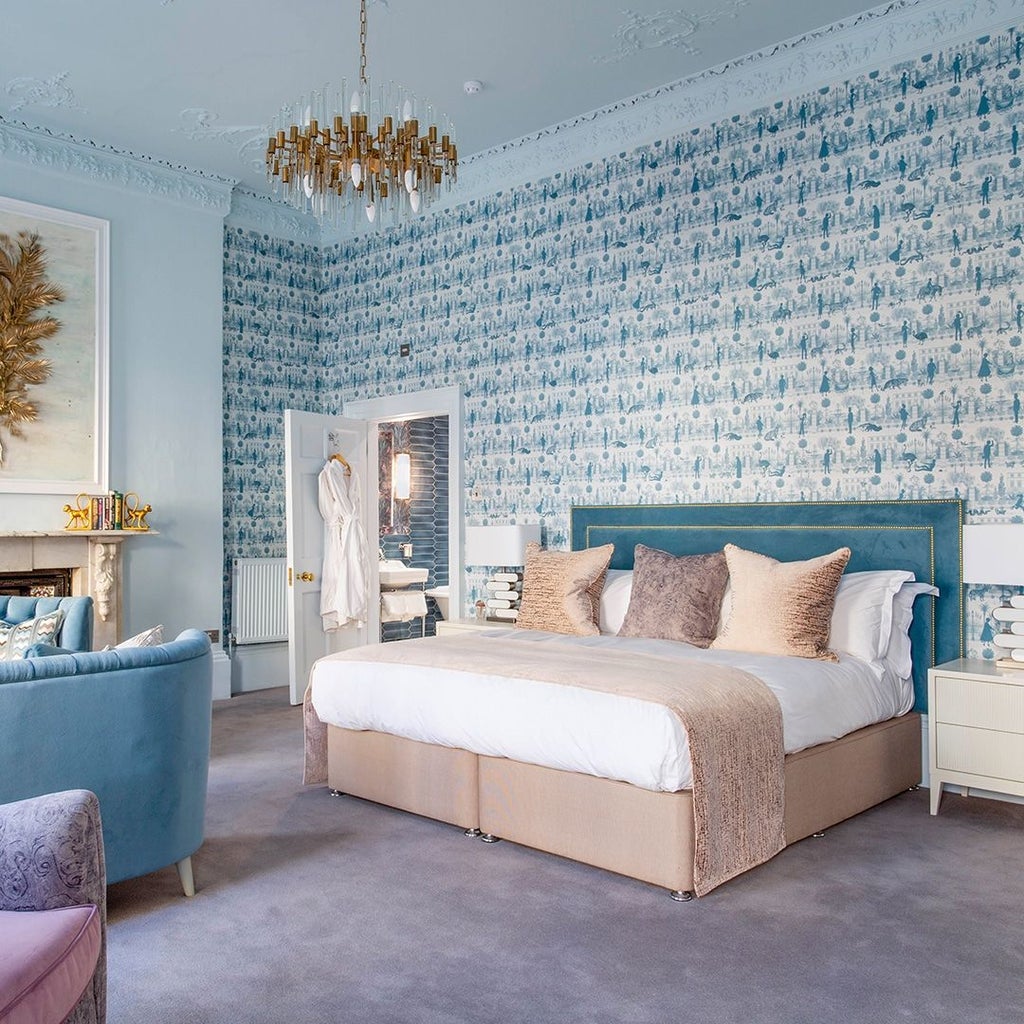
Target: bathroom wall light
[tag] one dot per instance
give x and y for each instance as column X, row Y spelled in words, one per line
column 402, row 476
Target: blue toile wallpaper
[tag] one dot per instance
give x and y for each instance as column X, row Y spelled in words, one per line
column 821, row 299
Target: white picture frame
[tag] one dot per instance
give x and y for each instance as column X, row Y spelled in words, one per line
column 65, row 449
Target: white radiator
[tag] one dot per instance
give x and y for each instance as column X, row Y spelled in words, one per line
column 259, row 594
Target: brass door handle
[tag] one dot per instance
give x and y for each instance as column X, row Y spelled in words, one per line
column 306, row 577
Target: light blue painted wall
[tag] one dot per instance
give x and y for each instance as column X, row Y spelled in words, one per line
column 166, row 303
column 819, row 298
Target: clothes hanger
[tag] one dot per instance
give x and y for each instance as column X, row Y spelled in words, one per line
column 336, row 457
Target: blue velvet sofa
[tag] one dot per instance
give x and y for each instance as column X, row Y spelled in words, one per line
column 133, row 726
column 76, row 627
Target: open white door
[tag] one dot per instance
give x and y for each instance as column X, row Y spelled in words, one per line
column 309, row 439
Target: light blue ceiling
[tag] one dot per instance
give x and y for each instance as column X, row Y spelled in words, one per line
column 196, row 82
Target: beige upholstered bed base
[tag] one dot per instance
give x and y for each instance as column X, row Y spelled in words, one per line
column 612, row 825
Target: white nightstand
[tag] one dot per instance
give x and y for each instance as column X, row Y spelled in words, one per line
column 468, row 625
column 975, row 728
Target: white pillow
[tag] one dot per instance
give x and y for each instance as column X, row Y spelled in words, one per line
column 897, row 655
column 152, row 637
column 618, row 588
column 862, row 616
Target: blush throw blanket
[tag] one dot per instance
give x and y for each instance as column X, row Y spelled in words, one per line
column 732, row 720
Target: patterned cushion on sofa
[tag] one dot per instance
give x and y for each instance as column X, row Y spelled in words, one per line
column 17, row 638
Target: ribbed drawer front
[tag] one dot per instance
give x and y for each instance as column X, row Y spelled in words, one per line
column 984, row 705
column 980, row 752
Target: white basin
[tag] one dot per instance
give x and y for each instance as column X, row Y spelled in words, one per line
column 440, row 595
column 396, row 575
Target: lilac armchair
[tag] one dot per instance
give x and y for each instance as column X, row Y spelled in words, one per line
column 52, row 911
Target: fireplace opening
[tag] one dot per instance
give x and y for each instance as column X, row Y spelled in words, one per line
column 36, row 583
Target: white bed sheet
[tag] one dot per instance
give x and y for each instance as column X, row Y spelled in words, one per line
column 588, row 731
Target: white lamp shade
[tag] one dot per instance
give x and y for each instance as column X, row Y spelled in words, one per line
column 402, row 476
column 499, row 545
column 994, row 554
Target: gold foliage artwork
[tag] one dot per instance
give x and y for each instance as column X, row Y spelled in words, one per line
column 24, row 293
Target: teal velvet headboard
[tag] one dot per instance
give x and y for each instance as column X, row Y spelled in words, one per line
column 923, row 536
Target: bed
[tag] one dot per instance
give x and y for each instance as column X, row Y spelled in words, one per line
column 648, row 833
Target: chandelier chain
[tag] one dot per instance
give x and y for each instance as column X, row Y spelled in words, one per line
column 362, row 43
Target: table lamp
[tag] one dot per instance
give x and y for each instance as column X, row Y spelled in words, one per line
column 994, row 555
column 503, row 547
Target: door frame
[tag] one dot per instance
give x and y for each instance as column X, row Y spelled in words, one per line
column 418, row 405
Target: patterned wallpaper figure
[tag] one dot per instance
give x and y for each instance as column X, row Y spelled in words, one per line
column 819, row 300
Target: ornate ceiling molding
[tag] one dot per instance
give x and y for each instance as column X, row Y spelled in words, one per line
column 641, row 32
column 109, row 166
column 250, row 140
column 898, row 30
column 41, row 92
column 268, row 216
column 884, row 35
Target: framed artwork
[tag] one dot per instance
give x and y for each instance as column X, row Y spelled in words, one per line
column 54, row 346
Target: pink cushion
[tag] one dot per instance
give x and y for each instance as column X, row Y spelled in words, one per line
column 49, row 959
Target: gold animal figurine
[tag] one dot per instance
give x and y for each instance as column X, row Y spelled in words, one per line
column 134, row 513
column 78, row 516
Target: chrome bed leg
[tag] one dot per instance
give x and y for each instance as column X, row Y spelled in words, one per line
column 486, row 837
column 336, row 792
column 681, row 895
column 472, row 833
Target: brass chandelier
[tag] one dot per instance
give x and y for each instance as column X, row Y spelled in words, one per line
column 321, row 162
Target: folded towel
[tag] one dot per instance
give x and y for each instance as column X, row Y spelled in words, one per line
column 401, row 605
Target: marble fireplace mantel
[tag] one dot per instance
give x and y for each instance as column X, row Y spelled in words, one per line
column 94, row 558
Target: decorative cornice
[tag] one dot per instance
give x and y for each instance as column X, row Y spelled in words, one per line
column 901, row 29
column 897, row 30
column 109, row 166
column 269, row 216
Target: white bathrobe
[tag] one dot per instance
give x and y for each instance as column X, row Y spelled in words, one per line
column 345, row 578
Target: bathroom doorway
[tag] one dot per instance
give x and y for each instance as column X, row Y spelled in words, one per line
column 428, row 425
column 412, row 515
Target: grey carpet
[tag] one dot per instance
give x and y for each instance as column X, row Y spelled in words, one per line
column 313, row 908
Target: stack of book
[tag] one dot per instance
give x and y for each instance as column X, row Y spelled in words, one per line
column 1010, row 642
column 97, row 512
column 504, row 590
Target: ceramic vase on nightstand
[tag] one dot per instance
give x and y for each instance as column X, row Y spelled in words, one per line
column 1010, row 642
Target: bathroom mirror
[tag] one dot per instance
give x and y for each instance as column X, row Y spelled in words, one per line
column 392, row 512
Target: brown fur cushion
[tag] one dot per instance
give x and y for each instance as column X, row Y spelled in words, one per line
column 781, row 607
column 562, row 589
column 675, row 597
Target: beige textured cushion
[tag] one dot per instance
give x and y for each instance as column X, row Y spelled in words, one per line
column 675, row 597
column 562, row 589
column 781, row 607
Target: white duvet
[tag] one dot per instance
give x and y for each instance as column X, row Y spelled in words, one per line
column 587, row 731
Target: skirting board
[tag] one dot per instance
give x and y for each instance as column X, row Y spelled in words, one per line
column 221, row 674
column 258, row 667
